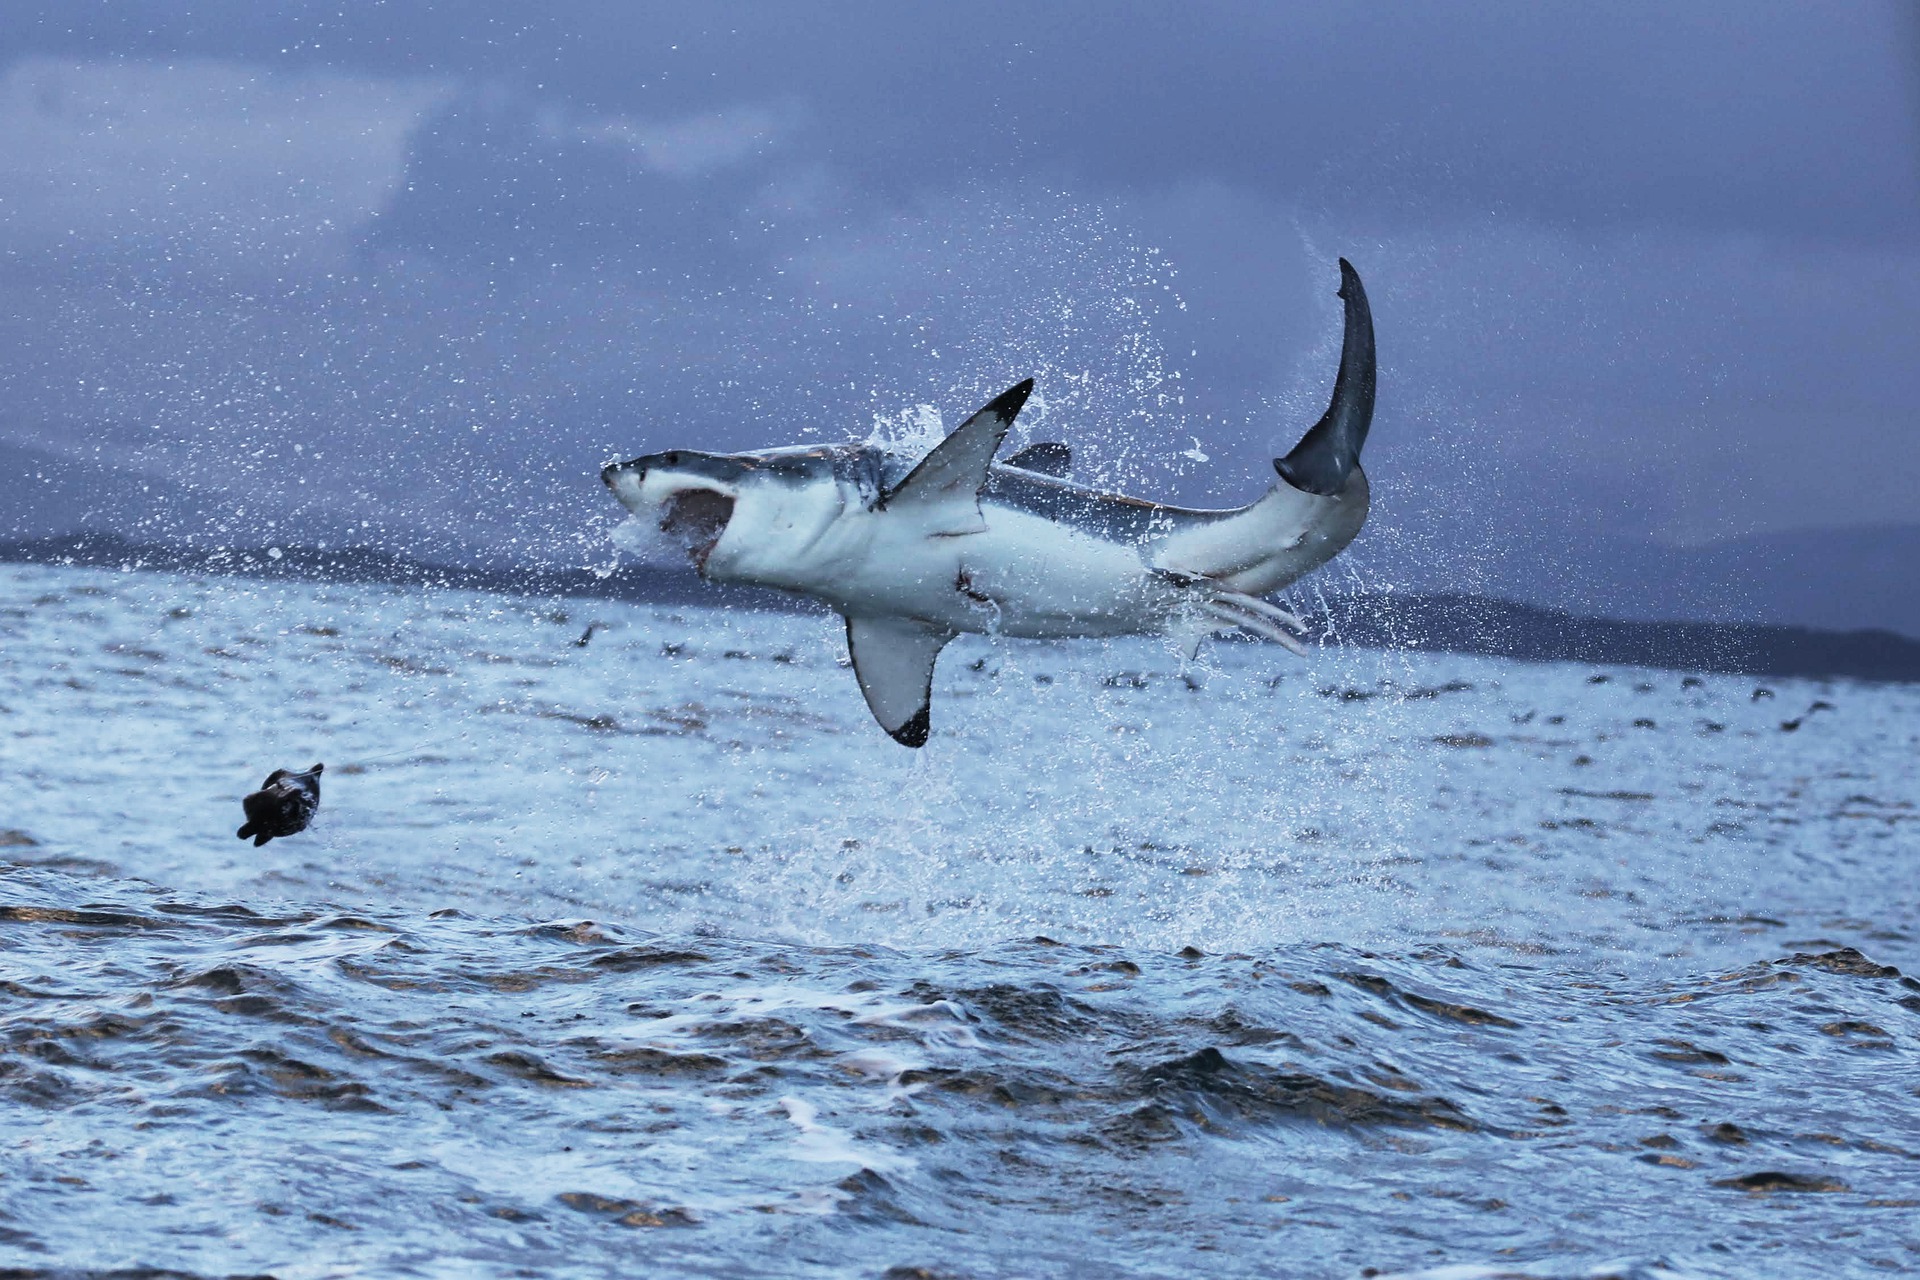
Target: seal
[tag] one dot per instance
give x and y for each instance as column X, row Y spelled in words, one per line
column 283, row 805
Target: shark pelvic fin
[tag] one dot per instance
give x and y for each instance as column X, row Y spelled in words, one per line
column 893, row 660
column 1211, row 604
column 1048, row 458
column 1252, row 614
column 953, row 473
column 1330, row 450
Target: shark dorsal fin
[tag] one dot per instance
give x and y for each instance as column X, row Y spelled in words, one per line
column 953, row 473
column 1049, row 458
column 893, row 660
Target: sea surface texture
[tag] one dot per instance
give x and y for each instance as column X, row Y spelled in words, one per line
column 652, row 955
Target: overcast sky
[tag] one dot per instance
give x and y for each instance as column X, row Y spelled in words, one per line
column 1638, row 270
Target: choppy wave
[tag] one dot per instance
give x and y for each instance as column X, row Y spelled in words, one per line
column 1378, row 967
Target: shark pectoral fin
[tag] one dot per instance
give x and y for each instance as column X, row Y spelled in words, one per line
column 893, row 659
column 1048, row 458
column 953, row 473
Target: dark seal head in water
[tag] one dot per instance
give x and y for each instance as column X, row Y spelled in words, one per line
column 282, row 806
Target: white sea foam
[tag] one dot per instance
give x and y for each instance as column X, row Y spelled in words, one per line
column 694, row 768
column 639, row 540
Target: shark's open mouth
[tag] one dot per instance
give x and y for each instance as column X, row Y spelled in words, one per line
column 695, row 519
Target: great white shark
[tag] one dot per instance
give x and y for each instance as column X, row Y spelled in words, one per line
column 912, row 554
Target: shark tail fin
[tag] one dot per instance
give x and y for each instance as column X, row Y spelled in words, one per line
column 1328, row 453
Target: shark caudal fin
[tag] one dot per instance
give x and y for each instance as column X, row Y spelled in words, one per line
column 1328, row 453
column 952, row 474
column 893, row 659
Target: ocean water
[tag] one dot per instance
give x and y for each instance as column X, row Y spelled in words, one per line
column 653, row 956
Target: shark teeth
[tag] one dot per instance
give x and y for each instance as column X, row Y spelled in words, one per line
column 696, row 519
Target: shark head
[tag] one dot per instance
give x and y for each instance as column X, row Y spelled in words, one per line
column 688, row 496
column 719, row 509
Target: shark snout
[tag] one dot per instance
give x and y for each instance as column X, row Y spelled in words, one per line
column 625, row 479
column 685, row 465
column 652, row 480
column 687, row 496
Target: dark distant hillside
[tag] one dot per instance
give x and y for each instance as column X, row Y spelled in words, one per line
column 1837, row 579
column 1439, row 622
column 1824, row 578
column 44, row 495
column 1476, row 624
column 363, row 564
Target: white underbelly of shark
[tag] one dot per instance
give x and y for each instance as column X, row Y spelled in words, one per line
column 1019, row 576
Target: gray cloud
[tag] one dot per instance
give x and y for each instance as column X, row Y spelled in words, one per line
column 197, row 156
column 1776, row 117
column 1638, row 271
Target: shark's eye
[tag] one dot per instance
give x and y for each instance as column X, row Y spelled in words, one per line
column 673, row 459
